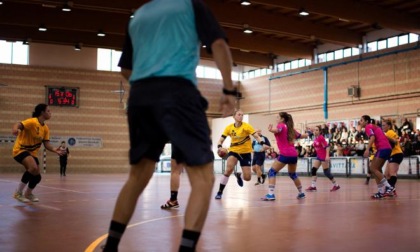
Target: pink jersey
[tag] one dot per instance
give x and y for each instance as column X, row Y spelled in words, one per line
column 381, row 141
column 321, row 145
column 286, row 148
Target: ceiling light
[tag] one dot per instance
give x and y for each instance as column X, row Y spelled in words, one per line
column 42, row 28
column 67, row 6
column 26, row 41
column 247, row 29
column 78, row 47
column 245, row 3
column 1, row 2
column 101, row 33
column 303, row 12
column 132, row 13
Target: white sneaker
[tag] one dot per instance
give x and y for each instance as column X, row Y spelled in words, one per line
column 19, row 196
column 32, row 197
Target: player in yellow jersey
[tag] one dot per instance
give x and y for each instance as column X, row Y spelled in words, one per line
column 396, row 158
column 240, row 150
column 31, row 134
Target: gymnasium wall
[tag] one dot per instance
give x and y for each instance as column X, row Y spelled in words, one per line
column 390, row 86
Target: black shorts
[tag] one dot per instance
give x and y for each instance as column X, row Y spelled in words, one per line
column 176, row 154
column 19, row 158
column 244, row 158
column 396, row 158
column 168, row 109
column 258, row 158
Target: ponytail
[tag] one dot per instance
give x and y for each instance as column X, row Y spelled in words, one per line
column 288, row 120
column 368, row 119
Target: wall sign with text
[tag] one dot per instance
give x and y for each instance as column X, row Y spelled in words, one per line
column 62, row 96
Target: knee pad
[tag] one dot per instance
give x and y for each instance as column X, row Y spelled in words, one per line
column 34, row 181
column 293, row 175
column 26, row 177
column 327, row 173
column 272, row 173
column 313, row 171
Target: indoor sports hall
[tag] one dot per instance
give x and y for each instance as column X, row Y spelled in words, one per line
column 326, row 63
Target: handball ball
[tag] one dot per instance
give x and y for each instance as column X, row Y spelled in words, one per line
column 222, row 152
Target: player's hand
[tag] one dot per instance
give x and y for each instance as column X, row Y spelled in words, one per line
column 227, row 105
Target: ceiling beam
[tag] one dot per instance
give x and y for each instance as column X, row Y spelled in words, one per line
column 259, row 43
column 243, row 58
column 353, row 11
column 277, row 24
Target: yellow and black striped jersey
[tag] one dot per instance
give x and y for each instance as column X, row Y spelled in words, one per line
column 31, row 137
column 241, row 140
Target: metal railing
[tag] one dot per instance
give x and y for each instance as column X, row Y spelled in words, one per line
column 353, row 166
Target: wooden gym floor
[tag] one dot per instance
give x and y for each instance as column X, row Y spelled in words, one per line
column 74, row 212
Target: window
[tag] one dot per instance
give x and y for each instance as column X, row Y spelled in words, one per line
column 308, row 62
column 403, row 39
column 280, row 67
column 322, row 57
column 330, row 56
column 338, row 54
column 392, row 42
column 382, row 44
column 107, row 60
column 257, row 72
column 302, row 62
column 372, row 46
column 286, row 66
column 355, row 51
column 347, row 52
column 14, row 53
column 413, row 37
column 295, row 64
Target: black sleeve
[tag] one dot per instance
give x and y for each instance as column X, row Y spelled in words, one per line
column 126, row 60
column 208, row 29
column 267, row 142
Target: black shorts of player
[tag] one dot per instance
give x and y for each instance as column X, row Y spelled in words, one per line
column 258, row 158
column 20, row 157
column 176, row 154
column 168, row 109
column 396, row 158
column 243, row 158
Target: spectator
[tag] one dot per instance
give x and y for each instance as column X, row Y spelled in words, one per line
column 360, row 147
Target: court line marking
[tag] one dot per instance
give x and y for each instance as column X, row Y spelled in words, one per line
column 95, row 243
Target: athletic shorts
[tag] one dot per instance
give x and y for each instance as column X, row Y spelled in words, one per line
column 20, row 157
column 243, row 158
column 258, row 158
column 383, row 153
column 287, row 160
column 168, row 109
column 320, row 159
column 177, row 155
column 396, row 158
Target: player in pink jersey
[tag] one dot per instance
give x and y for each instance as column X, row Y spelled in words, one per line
column 377, row 136
column 322, row 158
column 285, row 136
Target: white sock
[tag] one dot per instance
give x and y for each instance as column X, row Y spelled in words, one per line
column 271, row 189
column 20, row 188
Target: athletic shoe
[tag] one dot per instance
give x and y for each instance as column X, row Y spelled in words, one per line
column 335, row 188
column 19, row 196
column 263, row 177
column 301, row 196
column 170, row 204
column 269, row 197
column 257, row 183
column 377, row 195
column 311, row 189
column 218, row 196
column 389, row 192
column 239, row 179
column 32, row 197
